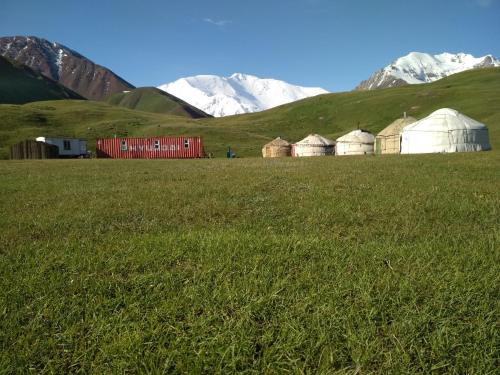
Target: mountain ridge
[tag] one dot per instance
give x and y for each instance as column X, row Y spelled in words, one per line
column 418, row 67
column 64, row 65
column 20, row 84
column 237, row 94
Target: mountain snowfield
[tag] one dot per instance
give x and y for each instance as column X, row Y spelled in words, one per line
column 417, row 67
column 239, row 93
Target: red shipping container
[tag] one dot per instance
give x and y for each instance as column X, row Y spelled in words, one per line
column 150, row 148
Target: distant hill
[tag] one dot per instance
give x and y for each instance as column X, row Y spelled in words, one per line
column 20, row 84
column 151, row 99
column 63, row 65
column 417, row 67
column 475, row 93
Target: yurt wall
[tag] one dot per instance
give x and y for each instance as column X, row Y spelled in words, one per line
column 445, row 130
column 388, row 141
column 357, row 142
column 313, row 145
column 277, row 148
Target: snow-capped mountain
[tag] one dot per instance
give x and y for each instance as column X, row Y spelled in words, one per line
column 239, row 93
column 417, row 67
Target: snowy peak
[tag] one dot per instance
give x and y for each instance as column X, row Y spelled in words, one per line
column 236, row 94
column 417, row 67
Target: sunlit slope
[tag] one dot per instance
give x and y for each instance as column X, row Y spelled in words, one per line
column 91, row 120
column 474, row 93
column 151, row 99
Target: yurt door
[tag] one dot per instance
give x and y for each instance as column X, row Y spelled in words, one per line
column 378, row 146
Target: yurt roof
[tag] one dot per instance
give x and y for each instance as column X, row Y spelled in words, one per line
column 277, row 142
column 316, row 140
column 444, row 120
column 397, row 126
column 357, row 136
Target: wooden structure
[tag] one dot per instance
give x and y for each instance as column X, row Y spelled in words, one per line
column 30, row 149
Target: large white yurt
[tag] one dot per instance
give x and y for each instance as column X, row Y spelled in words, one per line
column 357, row 142
column 445, row 130
column 313, row 145
column 388, row 141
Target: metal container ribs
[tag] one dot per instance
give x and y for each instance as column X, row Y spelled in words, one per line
column 150, row 148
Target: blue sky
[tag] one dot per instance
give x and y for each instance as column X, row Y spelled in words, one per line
column 329, row 43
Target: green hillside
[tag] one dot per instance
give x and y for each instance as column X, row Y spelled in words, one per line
column 151, row 99
column 19, row 84
column 475, row 93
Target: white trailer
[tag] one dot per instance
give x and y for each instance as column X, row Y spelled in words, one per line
column 68, row 147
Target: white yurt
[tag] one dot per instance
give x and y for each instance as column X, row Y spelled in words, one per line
column 445, row 130
column 388, row 141
column 313, row 145
column 357, row 142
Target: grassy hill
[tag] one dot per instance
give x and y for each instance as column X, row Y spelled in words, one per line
column 20, row 84
column 475, row 93
column 151, row 99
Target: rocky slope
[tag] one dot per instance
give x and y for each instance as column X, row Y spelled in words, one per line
column 63, row 65
column 20, row 84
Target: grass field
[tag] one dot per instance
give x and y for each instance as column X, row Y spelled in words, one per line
column 324, row 265
column 475, row 93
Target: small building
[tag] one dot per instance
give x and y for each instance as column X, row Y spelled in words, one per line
column 313, row 145
column 357, row 142
column 150, row 148
column 277, row 148
column 30, row 149
column 388, row 141
column 445, row 130
column 68, row 147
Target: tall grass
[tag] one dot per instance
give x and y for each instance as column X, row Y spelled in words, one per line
column 329, row 265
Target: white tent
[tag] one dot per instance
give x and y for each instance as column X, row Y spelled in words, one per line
column 313, row 145
column 357, row 142
column 445, row 130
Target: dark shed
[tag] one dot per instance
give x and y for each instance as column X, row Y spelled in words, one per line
column 30, row 149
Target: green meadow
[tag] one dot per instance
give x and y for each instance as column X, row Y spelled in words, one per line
column 348, row 265
column 475, row 93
